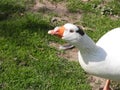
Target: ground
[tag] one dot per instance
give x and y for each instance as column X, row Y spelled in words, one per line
column 72, row 55
column 30, row 59
column 66, row 16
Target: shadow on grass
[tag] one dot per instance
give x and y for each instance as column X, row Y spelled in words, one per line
column 22, row 30
column 8, row 8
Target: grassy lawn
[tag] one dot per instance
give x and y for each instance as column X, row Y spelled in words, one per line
column 27, row 62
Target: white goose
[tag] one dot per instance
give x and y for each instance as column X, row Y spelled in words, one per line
column 101, row 59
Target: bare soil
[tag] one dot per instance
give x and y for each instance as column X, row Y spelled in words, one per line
column 58, row 8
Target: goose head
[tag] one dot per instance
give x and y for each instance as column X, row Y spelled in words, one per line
column 69, row 32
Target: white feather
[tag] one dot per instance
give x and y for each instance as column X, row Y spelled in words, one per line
column 101, row 59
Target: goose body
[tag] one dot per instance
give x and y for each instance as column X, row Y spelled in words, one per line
column 103, row 59
column 100, row 59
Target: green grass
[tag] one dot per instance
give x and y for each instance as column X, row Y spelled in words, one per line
column 97, row 15
column 94, row 6
column 27, row 62
column 100, row 24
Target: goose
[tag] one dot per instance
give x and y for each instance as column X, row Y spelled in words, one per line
column 100, row 59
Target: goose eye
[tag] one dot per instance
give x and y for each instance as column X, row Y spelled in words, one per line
column 71, row 31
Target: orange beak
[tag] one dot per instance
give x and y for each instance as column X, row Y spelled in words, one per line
column 58, row 32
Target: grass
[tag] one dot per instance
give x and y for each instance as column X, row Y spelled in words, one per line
column 27, row 62
column 100, row 24
column 97, row 14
